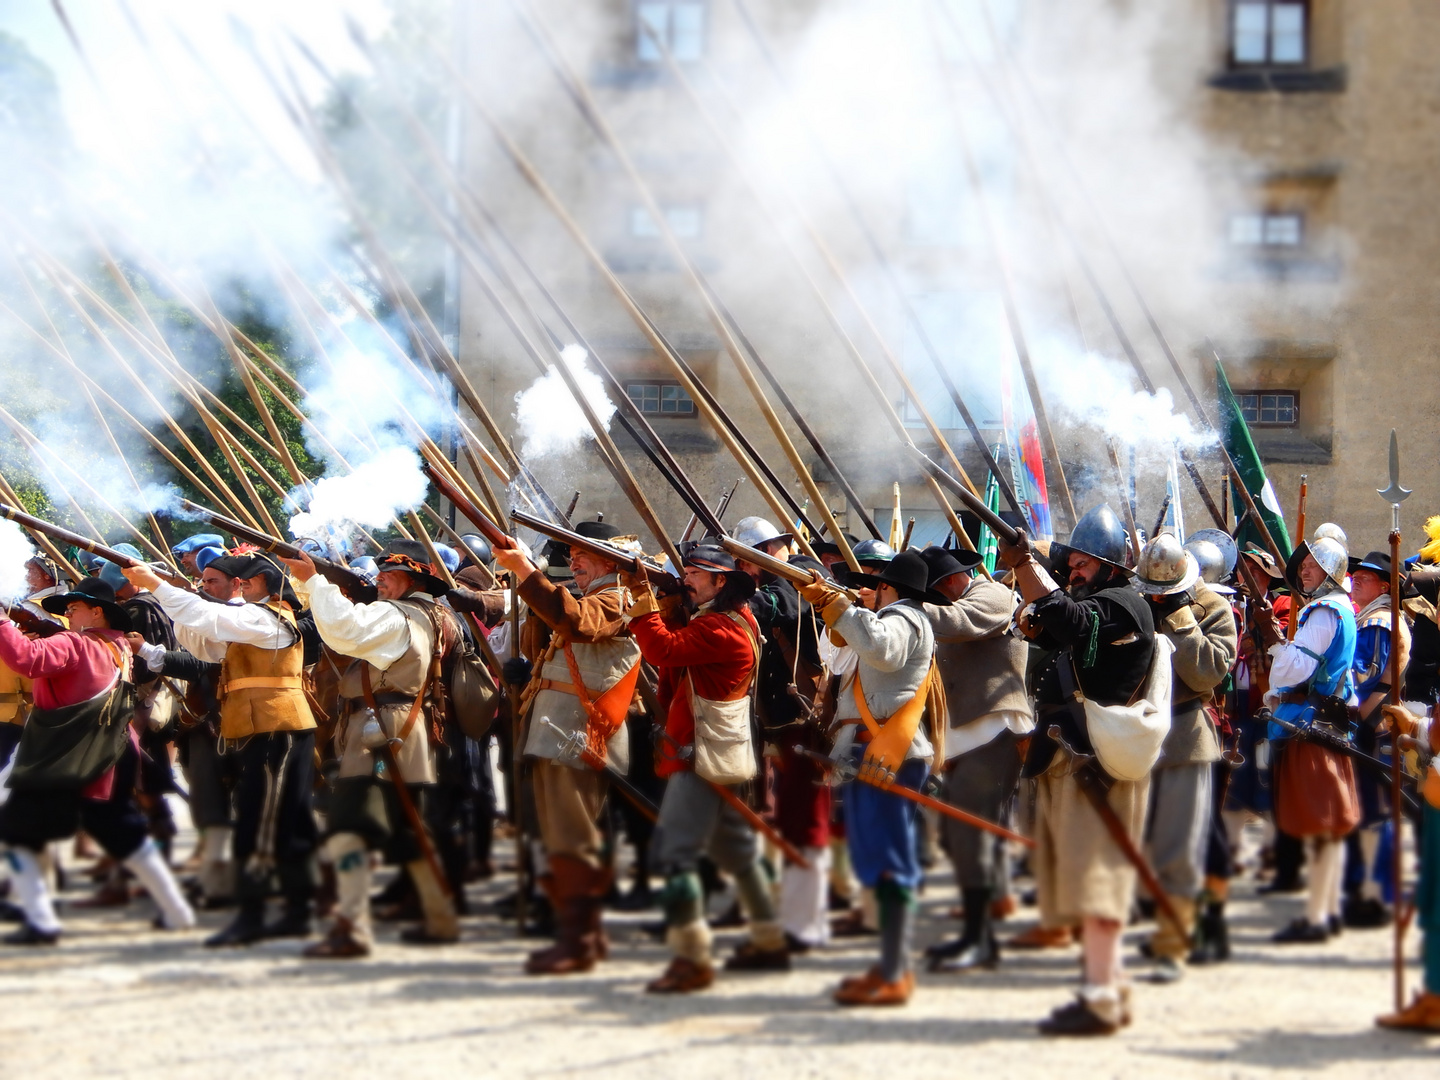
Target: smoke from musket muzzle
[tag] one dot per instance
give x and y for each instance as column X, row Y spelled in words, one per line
column 549, row 420
column 15, row 551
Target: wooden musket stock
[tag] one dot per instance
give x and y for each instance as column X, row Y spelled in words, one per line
column 627, row 561
column 65, row 536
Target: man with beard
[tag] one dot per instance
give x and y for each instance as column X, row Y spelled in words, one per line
column 706, row 670
column 586, row 669
column 1102, row 639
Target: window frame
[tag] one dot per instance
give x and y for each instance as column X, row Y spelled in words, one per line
column 660, row 386
column 1259, row 396
column 1269, row 62
column 1264, row 219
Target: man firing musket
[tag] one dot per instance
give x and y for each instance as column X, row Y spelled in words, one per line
column 586, row 667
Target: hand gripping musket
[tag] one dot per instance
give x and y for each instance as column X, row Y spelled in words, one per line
column 845, row 771
column 627, row 561
column 1395, row 495
column 341, row 576
column 759, row 824
column 30, row 623
column 109, row 554
column 1095, row 784
column 574, row 751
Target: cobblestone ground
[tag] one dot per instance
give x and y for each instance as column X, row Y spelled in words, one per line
column 117, row 998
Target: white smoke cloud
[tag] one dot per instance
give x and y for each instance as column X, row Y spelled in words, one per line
column 388, row 484
column 549, row 419
column 15, row 551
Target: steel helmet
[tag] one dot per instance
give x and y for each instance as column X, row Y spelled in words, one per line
column 1329, row 554
column 1098, row 534
column 1210, row 558
column 1166, row 568
column 1229, row 552
column 478, row 548
column 757, row 532
column 873, row 553
column 1330, row 531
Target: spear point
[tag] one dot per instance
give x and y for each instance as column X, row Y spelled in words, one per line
column 1394, row 494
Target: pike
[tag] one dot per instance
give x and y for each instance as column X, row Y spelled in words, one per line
column 340, row 576
column 109, row 554
column 844, row 770
column 1395, row 495
column 627, row 561
column 1294, row 622
column 887, row 268
column 720, row 507
column 857, row 358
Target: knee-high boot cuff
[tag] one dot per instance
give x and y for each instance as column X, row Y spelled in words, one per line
column 147, row 864
column 692, row 942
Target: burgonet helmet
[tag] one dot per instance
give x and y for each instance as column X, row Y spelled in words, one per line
column 1223, row 542
column 1098, row 534
column 1166, row 568
column 1329, row 554
column 757, row 532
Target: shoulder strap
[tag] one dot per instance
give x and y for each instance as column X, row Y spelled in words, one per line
column 915, row 704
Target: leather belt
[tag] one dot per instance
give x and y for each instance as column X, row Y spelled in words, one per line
column 389, row 699
column 561, row 687
column 263, row 682
column 14, row 699
column 1295, row 697
column 862, row 736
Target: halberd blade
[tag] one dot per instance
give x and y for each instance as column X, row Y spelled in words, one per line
column 1394, row 494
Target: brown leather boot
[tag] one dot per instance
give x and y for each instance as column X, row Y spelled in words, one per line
column 577, row 914
column 682, row 977
column 874, row 990
column 1422, row 1014
column 340, row 944
column 1044, row 937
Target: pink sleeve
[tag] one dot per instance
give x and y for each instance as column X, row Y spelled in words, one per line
column 40, row 658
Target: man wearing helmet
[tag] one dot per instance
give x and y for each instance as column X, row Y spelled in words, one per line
column 1202, row 629
column 1311, row 684
column 1101, row 638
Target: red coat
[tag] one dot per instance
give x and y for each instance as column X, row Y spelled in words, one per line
column 67, row 668
column 717, row 653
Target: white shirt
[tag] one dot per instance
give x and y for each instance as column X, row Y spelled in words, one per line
column 204, row 628
column 378, row 633
column 1291, row 668
column 979, row 732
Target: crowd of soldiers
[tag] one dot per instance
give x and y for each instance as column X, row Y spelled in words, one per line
column 1128, row 708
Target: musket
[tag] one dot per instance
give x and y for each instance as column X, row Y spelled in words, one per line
column 976, row 505
column 467, row 509
column 1165, row 509
column 796, row 575
column 1094, row 783
column 909, row 532
column 570, row 510
column 1335, row 744
column 340, row 576
column 1294, row 623
column 573, row 752
column 30, row 623
column 109, row 554
column 687, row 753
column 1395, row 495
column 844, row 770
column 627, row 561
column 720, row 508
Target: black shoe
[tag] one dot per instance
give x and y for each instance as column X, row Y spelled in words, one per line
column 972, row 956
column 418, row 935
column 640, row 898
column 730, row 918
column 29, row 935
column 796, row 946
column 1301, row 931
column 247, row 928
column 1212, row 937
column 294, row 923
column 1335, row 926
column 11, row 912
column 1077, row 1018
column 1167, row 970
column 1365, row 914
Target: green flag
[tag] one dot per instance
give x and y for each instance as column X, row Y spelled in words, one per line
column 989, row 547
column 1241, row 448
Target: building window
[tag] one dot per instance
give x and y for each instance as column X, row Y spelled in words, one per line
column 663, row 399
column 1267, row 230
column 1269, row 408
column 1268, row 32
column 680, row 27
column 684, row 221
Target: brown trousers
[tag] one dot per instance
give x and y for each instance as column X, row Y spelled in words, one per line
column 567, row 802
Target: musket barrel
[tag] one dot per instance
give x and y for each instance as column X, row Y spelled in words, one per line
column 466, row 508
column 341, row 576
column 65, row 536
column 626, row 560
column 998, row 525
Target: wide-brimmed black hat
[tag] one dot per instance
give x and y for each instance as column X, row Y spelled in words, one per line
column 717, row 560
column 411, row 557
column 944, row 562
column 96, row 593
column 1377, row 562
column 830, row 547
column 908, row 574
